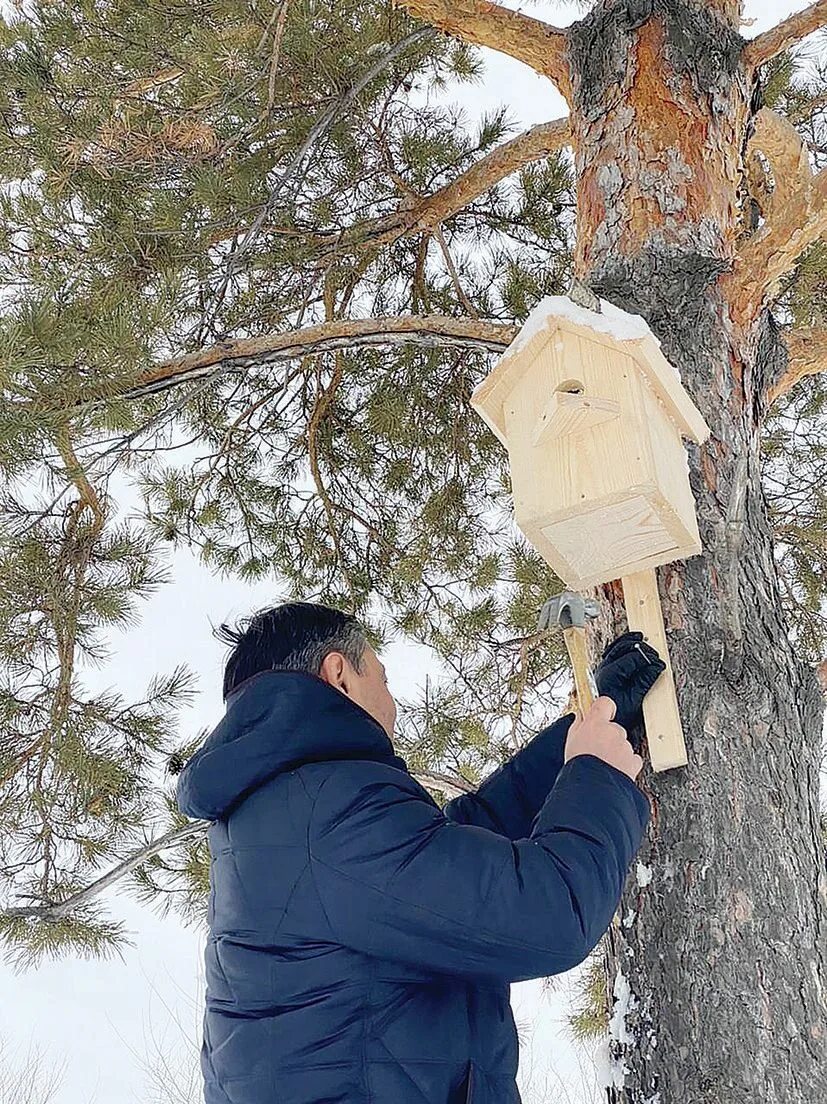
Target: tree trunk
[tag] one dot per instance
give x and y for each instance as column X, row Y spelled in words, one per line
column 724, row 950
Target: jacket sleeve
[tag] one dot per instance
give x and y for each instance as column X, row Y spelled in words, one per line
column 399, row 881
column 509, row 799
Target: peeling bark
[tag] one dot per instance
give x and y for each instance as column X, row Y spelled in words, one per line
column 660, row 112
column 794, row 205
column 246, row 353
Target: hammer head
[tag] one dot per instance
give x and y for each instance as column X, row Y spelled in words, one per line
column 565, row 610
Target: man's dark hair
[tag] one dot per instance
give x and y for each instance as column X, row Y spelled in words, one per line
column 295, row 636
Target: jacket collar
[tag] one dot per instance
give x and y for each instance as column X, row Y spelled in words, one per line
column 275, row 721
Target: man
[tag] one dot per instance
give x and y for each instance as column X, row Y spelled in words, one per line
column 362, row 940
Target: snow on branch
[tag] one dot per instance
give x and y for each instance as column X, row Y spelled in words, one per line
column 795, row 214
column 787, row 33
column 529, row 40
column 806, row 356
column 245, row 353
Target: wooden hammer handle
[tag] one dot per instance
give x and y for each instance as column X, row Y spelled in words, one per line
column 575, row 639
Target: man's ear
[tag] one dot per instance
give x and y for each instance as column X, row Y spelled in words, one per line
column 334, row 670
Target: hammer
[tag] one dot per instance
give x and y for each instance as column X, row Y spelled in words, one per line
column 568, row 611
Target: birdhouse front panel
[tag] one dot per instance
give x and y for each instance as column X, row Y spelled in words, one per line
column 562, row 464
column 593, row 426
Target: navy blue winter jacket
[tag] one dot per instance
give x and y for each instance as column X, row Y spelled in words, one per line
column 362, row 940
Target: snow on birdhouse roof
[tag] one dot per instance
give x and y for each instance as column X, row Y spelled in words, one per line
column 627, row 333
column 619, row 324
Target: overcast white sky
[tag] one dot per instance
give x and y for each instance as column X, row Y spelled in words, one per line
column 101, row 1020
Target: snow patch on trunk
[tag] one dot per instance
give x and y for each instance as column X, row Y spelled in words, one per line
column 644, row 874
column 612, row 1070
column 625, row 1001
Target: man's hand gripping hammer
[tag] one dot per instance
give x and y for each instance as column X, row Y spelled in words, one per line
column 568, row 612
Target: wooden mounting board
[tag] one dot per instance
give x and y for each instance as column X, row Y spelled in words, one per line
column 664, row 732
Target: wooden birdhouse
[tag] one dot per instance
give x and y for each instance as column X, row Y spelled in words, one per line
column 593, row 415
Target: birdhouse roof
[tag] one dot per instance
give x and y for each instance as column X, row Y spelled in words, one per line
column 627, row 333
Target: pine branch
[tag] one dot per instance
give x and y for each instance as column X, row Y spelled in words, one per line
column 61, row 909
column 785, row 34
column 795, row 216
column 431, row 330
column 806, row 356
column 324, row 398
column 590, row 1020
column 89, row 499
column 428, row 212
column 320, row 128
column 533, row 145
column 452, row 268
column 531, row 41
column 154, row 80
column 448, row 784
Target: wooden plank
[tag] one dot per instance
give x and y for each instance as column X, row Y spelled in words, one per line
column 567, row 414
column 492, row 392
column 570, row 473
column 664, row 731
column 671, row 465
column 666, row 384
column 603, row 541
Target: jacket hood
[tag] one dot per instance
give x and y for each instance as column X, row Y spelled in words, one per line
column 273, row 722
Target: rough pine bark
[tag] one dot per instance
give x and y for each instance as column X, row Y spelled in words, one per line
column 724, row 950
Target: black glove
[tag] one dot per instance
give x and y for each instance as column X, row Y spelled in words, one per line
column 628, row 669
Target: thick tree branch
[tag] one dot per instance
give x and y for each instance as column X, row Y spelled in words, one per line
column 795, row 213
column 787, row 33
column 528, row 40
column 429, row 211
column 418, row 213
column 806, row 356
column 428, row 330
